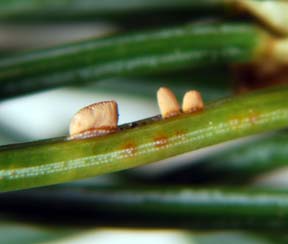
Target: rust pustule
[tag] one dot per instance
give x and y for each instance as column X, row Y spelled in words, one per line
column 192, row 102
column 181, row 134
column 129, row 149
column 94, row 120
column 161, row 141
column 167, row 103
column 253, row 116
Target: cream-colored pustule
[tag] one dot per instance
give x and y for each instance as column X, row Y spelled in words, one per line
column 167, row 103
column 98, row 116
column 101, row 118
column 192, row 102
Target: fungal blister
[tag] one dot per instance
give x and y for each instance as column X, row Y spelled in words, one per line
column 169, row 107
column 192, row 102
column 94, row 120
column 167, row 103
column 101, row 118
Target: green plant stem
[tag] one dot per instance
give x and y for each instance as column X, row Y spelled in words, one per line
column 271, row 13
column 134, row 54
column 13, row 10
column 174, row 207
column 238, row 164
column 58, row 160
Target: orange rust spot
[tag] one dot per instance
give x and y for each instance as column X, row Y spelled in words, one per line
column 181, row 134
column 129, row 149
column 160, row 141
column 253, row 116
column 236, row 121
